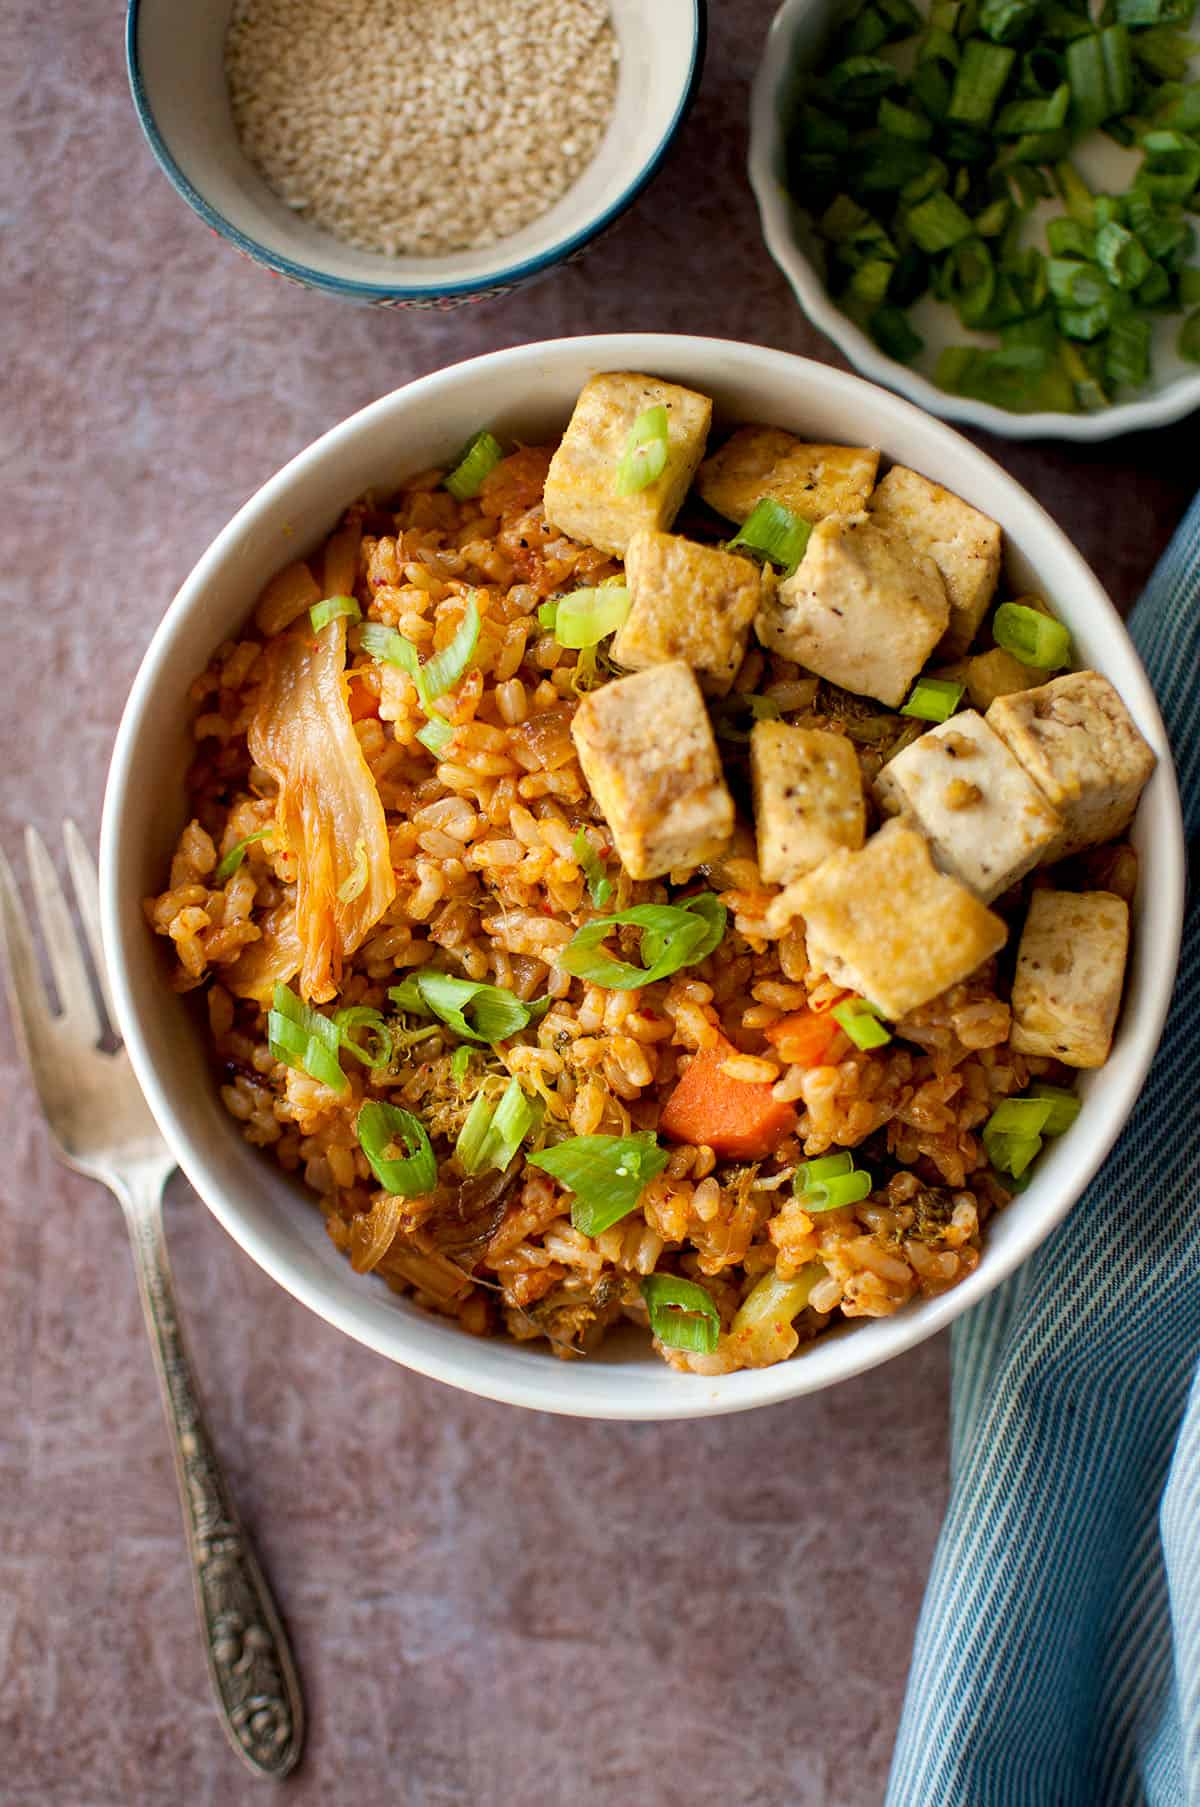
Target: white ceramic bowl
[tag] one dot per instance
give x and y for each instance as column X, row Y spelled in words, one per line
column 528, row 393
column 794, row 43
column 175, row 56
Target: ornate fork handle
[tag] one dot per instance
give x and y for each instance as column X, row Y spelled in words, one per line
column 251, row 1666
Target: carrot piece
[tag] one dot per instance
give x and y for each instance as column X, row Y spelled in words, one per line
column 732, row 1116
column 804, row 1038
column 363, row 701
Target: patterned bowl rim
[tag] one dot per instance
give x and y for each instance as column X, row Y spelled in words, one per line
column 493, row 281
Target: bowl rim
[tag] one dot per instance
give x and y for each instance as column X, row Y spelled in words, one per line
column 860, row 1348
column 1180, row 398
column 481, row 286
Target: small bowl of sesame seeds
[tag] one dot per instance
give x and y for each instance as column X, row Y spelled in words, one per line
column 412, row 153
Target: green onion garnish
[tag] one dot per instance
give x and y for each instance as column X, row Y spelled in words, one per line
column 673, row 936
column 831, row 1183
column 237, row 853
column 982, row 74
column 443, row 671
column 491, row 1137
column 476, row 1012
column 477, row 461
column 1035, row 639
column 645, row 456
column 322, row 613
column 362, row 1017
column 436, row 734
column 934, row 699
column 861, row 1022
column 302, row 1038
column 606, row 1174
column 939, row 223
column 1188, row 343
column 1012, row 1135
column 379, row 1127
column 387, row 644
column 774, row 533
column 460, row 1060
column 547, row 615
column 586, row 617
column 1065, row 1106
column 599, row 885
column 682, row 1315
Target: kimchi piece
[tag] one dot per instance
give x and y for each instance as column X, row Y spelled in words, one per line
column 328, row 811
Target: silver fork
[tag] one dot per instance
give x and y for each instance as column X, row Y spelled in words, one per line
column 101, row 1126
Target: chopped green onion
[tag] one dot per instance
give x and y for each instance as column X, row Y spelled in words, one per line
column 1127, row 352
column 586, row 617
column 1035, row 639
column 1171, row 166
column 495, row 1015
column 1009, row 1153
column 645, row 456
column 903, row 122
column 606, row 1174
column 1043, row 114
column 322, row 613
column 387, row 644
column 774, row 533
column 491, row 1137
column 1188, row 343
column 934, row 699
column 359, row 877
column 982, row 73
column 477, row 460
column 673, row 936
column 860, row 79
column 237, row 853
column 1121, row 256
column 1020, row 1116
column 1065, row 1106
column 861, row 1022
column 460, row 1060
column 1118, row 68
column 1067, row 238
column 1005, row 20
column 599, row 885
column 379, row 1127
column 302, row 1038
column 362, row 1017
column 682, row 1315
column 1089, row 84
column 547, row 615
column 436, row 734
column 1189, row 287
column 891, row 331
column 825, row 1167
column 443, row 671
column 938, row 223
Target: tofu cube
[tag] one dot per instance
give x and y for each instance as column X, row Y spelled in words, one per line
column 647, row 751
column 964, row 545
column 811, row 480
column 808, row 798
column 1070, row 970
column 687, row 602
column 580, row 496
column 863, row 609
column 1079, row 744
column 984, row 817
column 887, row 924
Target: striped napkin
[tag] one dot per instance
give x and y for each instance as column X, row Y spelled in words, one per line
column 1057, row 1660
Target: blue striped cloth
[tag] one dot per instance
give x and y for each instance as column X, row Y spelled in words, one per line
column 1057, row 1659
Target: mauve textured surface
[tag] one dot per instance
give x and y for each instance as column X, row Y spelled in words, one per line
column 488, row 1607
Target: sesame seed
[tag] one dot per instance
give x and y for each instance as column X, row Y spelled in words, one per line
column 421, row 127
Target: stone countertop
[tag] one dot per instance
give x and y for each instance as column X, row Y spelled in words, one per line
column 487, row 1606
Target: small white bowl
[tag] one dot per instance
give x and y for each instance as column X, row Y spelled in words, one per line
column 527, row 393
column 794, row 42
column 175, row 53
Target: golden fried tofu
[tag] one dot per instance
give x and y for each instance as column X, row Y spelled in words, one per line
column 808, row 798
column 687, row 602
column 1079, row 744
column 984, row 817
column 964, row 544
column 811, row 480
column 1070, row 973
column 887, row 924
column 648, row 753
column 863, row 608
column 580, row 496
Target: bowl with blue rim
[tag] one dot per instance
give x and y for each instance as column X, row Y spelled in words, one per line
column 176, row 57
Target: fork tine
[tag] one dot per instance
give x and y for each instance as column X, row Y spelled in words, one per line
column 26, row 995
column 62, row 944
column 87, row 896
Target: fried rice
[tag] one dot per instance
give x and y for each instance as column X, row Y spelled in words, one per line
column 483, row 845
